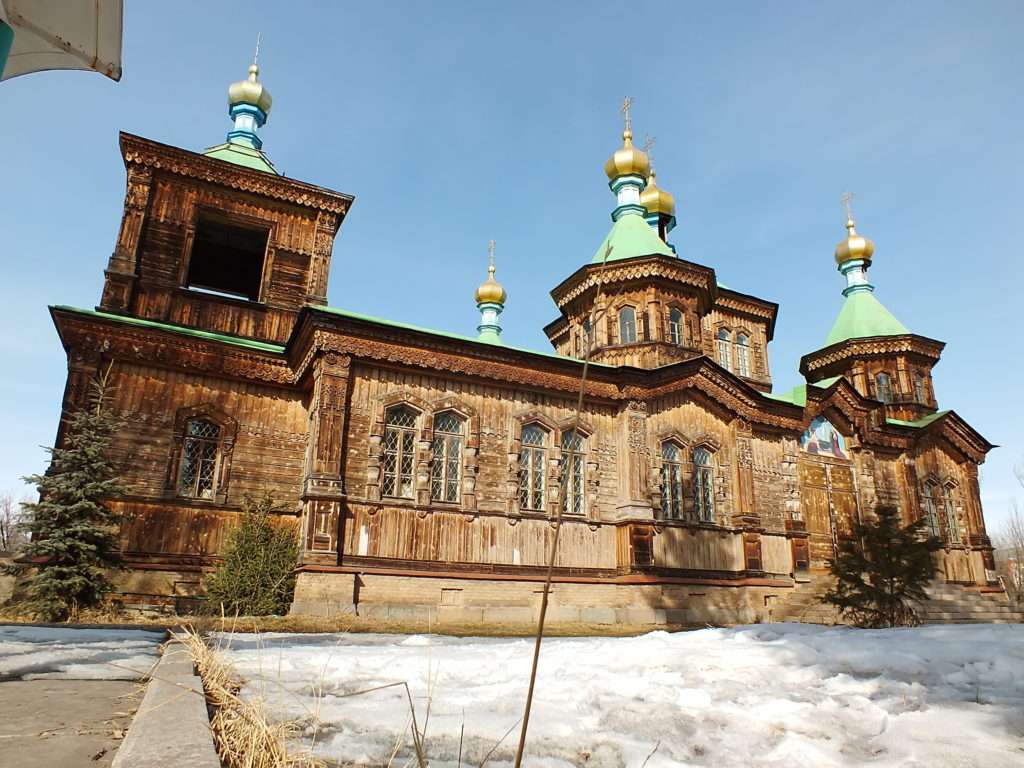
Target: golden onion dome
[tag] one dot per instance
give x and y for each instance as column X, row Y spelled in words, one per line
column 250, row 91
column 657, row 200
column 490, row 290
column 855, row 246
column 627, row 159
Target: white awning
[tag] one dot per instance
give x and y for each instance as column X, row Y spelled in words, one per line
column 63, row 34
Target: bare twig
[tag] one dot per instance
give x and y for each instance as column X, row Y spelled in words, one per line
column 498, row 743
column 564, row 483
column 651, row 754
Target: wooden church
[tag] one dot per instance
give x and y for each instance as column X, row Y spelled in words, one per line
column 423, row 469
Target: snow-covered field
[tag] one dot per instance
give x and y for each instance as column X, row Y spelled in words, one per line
column 32, row 653
column 766, row 695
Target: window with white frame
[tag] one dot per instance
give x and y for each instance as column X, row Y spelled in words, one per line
column 920, row 393
column 703, row 485
column 533, row 461
column 675, row 326
column 573, row 464
column 446, row 452
column 671, row 480
column 742, row 354
column 724, row 349
column 627, row 325
column 399, row 452
column 200, row 455
column 883, row 387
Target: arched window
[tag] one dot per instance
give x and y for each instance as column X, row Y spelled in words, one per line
column 920, row 393
column 573, row 462
column 447, row 457
column 703, row 485
column 883, row 387
column 724, row 349
column 200, row 455
column 586, row 334
column 931, row 514
column 627, row 325
column 533, row 462
column 952, row 526
column 742, row 354
column 399, row 452
column 671, row 480
column 675, row 326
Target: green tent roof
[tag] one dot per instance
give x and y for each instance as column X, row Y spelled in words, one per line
column 240, row 154
column 863, row 315
column 631, row 236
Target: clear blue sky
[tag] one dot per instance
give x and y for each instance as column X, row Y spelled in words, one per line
column 456, row 122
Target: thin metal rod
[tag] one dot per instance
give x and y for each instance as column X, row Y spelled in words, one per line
column 563, row 500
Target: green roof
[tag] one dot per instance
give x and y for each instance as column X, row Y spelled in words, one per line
column 798, row 394
column 448, row 335
column 863, row 315
column 241, row 154
column 631, row 236
column 924, row 421
column 237, row 341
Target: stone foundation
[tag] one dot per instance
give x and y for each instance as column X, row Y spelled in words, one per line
column 432, row 601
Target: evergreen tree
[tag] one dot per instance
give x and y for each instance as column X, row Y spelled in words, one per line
column 257, row 576
column 73, row 531
column 883, row 571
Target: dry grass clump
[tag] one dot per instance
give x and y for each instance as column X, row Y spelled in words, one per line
column 244, row 734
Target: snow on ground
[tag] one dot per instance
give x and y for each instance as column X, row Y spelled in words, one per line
column 764, row 695
column 31, row 653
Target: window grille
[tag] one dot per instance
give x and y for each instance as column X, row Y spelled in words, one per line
column 399, row 452
column 743, row 355
column 447, row 455
column 703, row 485
column 671, row 480
column 724, row 349
column 930, row 513
column 199, row 457
column 675, row 327
column 952, row 525
column 532, row 466
column 573, row 459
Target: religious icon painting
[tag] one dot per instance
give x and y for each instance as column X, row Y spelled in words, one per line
column 822, row 439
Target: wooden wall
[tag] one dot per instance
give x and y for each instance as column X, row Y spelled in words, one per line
column 269, row 448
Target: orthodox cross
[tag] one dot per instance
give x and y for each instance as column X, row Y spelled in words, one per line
column 256, row 58
column 648, row 144
column 846, row 199
column 626, row 104
column 490, row 256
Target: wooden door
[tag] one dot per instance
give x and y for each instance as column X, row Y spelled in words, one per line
column 828, row 501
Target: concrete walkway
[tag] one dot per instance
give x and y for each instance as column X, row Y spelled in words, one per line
column 65, row 723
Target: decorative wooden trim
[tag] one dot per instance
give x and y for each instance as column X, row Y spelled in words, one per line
column 151, row 154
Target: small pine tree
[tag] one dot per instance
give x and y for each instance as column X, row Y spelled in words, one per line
column 73, row 531
column 883, row 571
column 257, row 576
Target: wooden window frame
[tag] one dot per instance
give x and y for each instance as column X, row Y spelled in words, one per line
column 225, row 452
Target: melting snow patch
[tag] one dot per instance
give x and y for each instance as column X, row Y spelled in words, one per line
column 748, row 696
column 31, row 653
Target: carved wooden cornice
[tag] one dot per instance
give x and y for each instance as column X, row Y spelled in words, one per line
column 321, row 333
column 166, row 349
column 741, row 303
column 871, row 346
column 151, row 154
column 645, row 267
